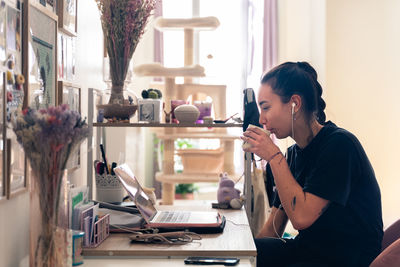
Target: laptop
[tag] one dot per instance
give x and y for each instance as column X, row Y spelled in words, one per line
column 204, row 221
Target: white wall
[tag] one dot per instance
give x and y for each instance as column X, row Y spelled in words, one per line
column 14, row 213
column 302, row 33
column 301, row 30
column 363, row 40
column 14, row 230
column 354, row 45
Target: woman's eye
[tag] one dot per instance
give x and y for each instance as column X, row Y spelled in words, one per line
column 265, row 108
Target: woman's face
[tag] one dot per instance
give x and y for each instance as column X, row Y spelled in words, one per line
column 275, row 115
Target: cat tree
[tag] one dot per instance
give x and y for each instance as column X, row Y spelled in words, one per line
column 171, row 90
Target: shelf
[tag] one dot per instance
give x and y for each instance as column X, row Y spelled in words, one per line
column 158, row 70
column 200, row 23
column 167, row 125
column 183, row 178
column 223, row 136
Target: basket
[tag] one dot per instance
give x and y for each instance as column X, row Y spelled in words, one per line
column 101, row 229
column 109, row 188
column 208, row 161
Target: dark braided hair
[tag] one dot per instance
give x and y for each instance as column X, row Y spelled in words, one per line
column 298, row 78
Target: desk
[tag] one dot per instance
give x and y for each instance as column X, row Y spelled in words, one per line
column 235, row 241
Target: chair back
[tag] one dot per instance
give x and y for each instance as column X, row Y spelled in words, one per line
column 390, row 255
column 391, row 234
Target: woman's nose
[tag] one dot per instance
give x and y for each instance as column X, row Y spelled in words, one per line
column 262, row 120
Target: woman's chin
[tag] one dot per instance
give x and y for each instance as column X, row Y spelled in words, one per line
column 278, row 136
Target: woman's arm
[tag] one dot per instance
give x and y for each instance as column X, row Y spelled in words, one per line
column 275, row 225
column 302, row 208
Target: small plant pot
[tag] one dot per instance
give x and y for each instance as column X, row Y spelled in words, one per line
column 184, row 196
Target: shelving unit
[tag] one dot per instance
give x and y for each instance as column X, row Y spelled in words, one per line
column 168, row 177
column 164, row 177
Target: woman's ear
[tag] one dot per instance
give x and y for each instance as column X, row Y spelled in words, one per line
column 296, row 103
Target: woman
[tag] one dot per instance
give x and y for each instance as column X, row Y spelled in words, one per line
column 325, row 186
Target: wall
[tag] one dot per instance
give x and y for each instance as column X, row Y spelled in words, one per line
column 14, row 230
column 353, row 44
column 14, row 213
column 363, row 40
column 301, row 30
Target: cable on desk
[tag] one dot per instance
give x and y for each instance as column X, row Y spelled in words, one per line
column 237, row 224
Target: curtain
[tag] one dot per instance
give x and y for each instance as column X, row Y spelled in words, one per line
column 270, row 35
column 158, row 36
column 262, row 40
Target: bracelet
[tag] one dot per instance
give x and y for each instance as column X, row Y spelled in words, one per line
column 274, row 155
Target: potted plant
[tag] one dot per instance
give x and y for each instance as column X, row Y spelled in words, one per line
column 185, row 191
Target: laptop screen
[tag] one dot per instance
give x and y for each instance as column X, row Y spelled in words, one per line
column 135, row 191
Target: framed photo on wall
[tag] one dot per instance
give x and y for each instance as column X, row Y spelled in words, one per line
column 42, row 49
column 13, row 29
column 68, row 16
column 10, row 37
column 70, row 94
column 2, row 151
column 3, row 10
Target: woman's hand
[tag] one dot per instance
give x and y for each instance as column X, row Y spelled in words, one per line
column 260, row 143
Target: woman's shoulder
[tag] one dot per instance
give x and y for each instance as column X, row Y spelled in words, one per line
column 335, row 135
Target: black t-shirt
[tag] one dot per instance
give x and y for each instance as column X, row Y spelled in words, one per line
column 334, row 166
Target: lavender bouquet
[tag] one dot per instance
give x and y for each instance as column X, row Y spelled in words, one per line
column 123, row 23
column 48, row 137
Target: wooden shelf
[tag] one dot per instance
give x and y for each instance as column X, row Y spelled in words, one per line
column 223, row 136
column 200, row 23
column 167, row 125
column 158, row 70
column 183, row 178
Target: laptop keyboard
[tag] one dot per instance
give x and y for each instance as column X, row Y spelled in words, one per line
column 173, row 217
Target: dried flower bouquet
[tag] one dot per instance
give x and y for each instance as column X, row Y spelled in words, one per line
column 123, row 23
column 48, row 137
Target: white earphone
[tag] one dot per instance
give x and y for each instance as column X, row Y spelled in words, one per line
column 293, row 105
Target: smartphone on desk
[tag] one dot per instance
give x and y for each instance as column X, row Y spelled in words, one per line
column 211, row 261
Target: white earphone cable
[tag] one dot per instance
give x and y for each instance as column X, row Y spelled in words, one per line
column 292, row 122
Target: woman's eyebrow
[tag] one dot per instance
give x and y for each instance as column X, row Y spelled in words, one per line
column 262, row 102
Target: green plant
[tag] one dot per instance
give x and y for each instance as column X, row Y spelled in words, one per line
column 183, row 143
column 185, row 188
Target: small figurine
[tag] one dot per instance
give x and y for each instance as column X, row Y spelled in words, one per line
column 167, row 116
column 227, row 193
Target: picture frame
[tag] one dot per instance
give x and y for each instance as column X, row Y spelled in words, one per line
column 66, row 57
column 2, row 134
column 67, row 12
column 70, row 94
column 13, row 29
column 3, row 12
column 50, row 5
column 42, row 57
column 13, row 161
column 11, row 36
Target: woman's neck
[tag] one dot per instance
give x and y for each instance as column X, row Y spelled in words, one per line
column 305, row 132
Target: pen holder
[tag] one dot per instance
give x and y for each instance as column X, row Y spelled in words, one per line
column 109, row 188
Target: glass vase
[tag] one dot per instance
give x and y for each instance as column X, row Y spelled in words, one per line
column 49, row 242
column 118, row 111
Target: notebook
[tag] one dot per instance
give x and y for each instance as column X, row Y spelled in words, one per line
column 202, row 220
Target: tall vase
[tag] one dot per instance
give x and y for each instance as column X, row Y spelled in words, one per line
column 48, row 223
column 117, row 94
column 118, row 72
